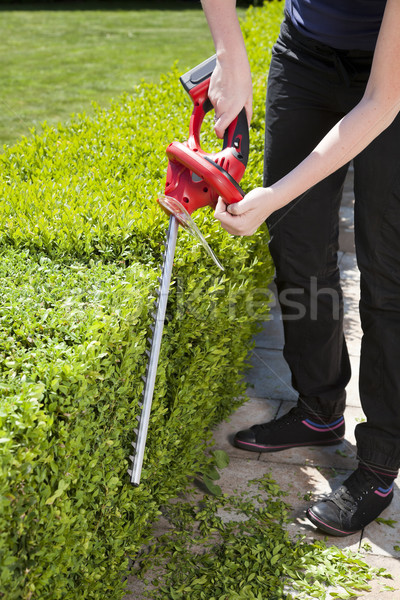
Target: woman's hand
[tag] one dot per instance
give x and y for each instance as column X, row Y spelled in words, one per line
column 230, row 90
column 246, row 216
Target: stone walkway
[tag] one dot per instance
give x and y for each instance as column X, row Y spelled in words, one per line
column 314, row 470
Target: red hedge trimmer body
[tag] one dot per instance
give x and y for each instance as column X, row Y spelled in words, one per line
column 196, row 178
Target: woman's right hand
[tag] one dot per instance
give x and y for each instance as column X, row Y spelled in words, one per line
column 230, row 90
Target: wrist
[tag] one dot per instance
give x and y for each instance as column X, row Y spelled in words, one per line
column 272, row 200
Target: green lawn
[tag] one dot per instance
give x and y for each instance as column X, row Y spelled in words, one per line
column 58, row 58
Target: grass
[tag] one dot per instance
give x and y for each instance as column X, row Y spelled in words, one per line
column 61, row 57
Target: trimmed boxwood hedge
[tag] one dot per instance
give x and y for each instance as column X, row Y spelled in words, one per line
column 81, row 239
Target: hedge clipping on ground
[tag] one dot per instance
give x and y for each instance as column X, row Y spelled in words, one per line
column 81, row 239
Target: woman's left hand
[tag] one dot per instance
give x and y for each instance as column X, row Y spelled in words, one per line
column 245, row 217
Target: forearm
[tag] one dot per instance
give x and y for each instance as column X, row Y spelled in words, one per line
column 372, row 115
column 347, row 139
column 224, row 27
column 230, row 86
column 343, row 142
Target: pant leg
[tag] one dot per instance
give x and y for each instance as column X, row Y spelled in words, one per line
column 377, row 234
column 301, row 108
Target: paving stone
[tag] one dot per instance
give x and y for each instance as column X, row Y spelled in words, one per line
column 349, row 268
column 392, row 566
column 136, row 589
column 350, row 278
column 352, row 392
column 271, row 335
column 346, row 240
column 347, row 216
column 270, row 376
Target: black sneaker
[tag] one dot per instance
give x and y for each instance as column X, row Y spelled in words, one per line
column 353, row 506
column 294, row 429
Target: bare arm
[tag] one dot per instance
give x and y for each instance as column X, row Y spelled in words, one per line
column 230, row 86
column 372, row 115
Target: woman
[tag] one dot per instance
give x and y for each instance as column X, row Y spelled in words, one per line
column 333, row 96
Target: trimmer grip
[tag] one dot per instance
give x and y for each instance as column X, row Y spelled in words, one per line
column 237, row 136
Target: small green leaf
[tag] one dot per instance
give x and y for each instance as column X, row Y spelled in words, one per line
column 212, row 473
column 210, row 485
column 388, row 522
column 221, row 458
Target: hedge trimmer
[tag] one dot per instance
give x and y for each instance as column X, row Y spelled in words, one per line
column 194, row 179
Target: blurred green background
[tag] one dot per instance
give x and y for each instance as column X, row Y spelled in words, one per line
column 60, row 57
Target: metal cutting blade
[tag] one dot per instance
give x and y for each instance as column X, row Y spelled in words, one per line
column 155, row 344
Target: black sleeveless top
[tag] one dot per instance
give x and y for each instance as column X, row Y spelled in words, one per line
column 343, row 24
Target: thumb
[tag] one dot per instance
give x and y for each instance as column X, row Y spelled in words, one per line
column 237, row 208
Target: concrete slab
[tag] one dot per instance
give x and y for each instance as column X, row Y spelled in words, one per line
column 270, row 376
column 390, row 565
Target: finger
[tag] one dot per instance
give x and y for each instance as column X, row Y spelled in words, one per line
column 224, row 217
column 220, row 124
column 228, row 222
column 220, row 209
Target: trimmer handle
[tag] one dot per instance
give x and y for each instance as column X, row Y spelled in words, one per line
column 196, row 82
column 218, row 174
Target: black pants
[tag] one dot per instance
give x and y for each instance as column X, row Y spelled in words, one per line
column 310, row 87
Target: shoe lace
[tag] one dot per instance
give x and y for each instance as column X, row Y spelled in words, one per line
column 357, row 486
column 344, row 500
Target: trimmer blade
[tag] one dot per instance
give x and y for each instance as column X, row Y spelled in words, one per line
column 174, row 207
column 155, row 343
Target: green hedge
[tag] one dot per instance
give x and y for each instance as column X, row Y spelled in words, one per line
column 81, row 239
